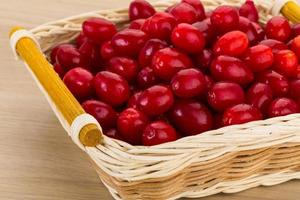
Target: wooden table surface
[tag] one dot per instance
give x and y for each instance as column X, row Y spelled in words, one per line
column 37, row 158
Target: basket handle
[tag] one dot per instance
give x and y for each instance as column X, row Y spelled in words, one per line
column 291, row 10
column 65, row 102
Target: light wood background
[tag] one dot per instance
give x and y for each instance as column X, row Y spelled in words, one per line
column 37, row 159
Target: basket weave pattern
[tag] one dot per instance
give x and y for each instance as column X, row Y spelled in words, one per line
column 228, row 160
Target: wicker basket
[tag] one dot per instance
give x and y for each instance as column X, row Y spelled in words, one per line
column 230, row 159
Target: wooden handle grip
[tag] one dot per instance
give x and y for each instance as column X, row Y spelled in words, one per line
column 90, row 135
column 291, row 10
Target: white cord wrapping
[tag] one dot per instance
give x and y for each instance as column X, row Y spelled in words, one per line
column 278, row 4
column 76, row 126
column 16, row 36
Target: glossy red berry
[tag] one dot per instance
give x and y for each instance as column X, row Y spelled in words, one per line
column 233, row 43
column 53, row 53
column 137, row 24
column 59, row 70
column 81, row 38
column 207, row 29
column 249, row 29
column 297, row 75
column 133, row 100
column 204, row 59
column 260, row 31
column 159, row 26
column 295, row 46
column 111, row 88
column 188, row 83
column 98, row 30
column 296, row 30
column 190, row 117
column 275, row 45
column 125, row 67
column 249, row 11
column 227, row 68
column 225, row 18
column 90, row 54
column 168, row 61
column 259, row 58
column 158, row 132
column 69, row 57
column 278, row 28
column 146, row 78
column 129, row 42
column 184, row 13
column 224, row 95
column 260, row 96
column 286, row 63
column 113, row 133
column 283, row 106
column 150, row 48
column 131, row 124
column 241, row 113
column 156, row 100
column 276, row 81
column 79, row 82
column 295, row 89
column 188, row 38
column 107, row 51
column 198, row 7
column 103, row 113
column 140, row 9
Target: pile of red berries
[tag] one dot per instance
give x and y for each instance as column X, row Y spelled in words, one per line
column 183, row 71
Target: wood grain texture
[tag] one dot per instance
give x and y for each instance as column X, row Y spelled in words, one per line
column 37, row 159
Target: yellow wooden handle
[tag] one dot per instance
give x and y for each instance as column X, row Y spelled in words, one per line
column 90, row 135
column 291, row 10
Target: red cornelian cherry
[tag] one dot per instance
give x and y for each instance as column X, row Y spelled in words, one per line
column 146, row 78
column 103, row 113
column 81, row 38
column 140, row 9
column 241, row 113
column 168, row 61
column 113, row 133
column 90, row 54
column 190, row 117
column 225, row 18
column 249, row 11
column 259, row 58
column 207, row 29
column 107, row 51
column 133, row 100
column 198, row 7
column 131, row 123
column 184, row 13
column 282, row 106
column 204, row 59
column 79, row 82
column 189, row 83
column 278, row 28
column 158, row 132
column 286, row 63
column 295, row 89
column 98, row 30
column 129, row 42
column 53, row 53
column 296, row 30
column 297, row 75
column 227, row 68
column 278, row 83
column 248, row 28
column 111, row 88
column 59, row 70
column 156, row 100
column 137, row 24
column 125, row 67
column 295, row 46
column 260, row 96
column 159, row 26
column 224, row 95
column 150, row 48
column 275, row 45
column 69, row 57
column 233, row 43
column 260, row 31
column 188, row 38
